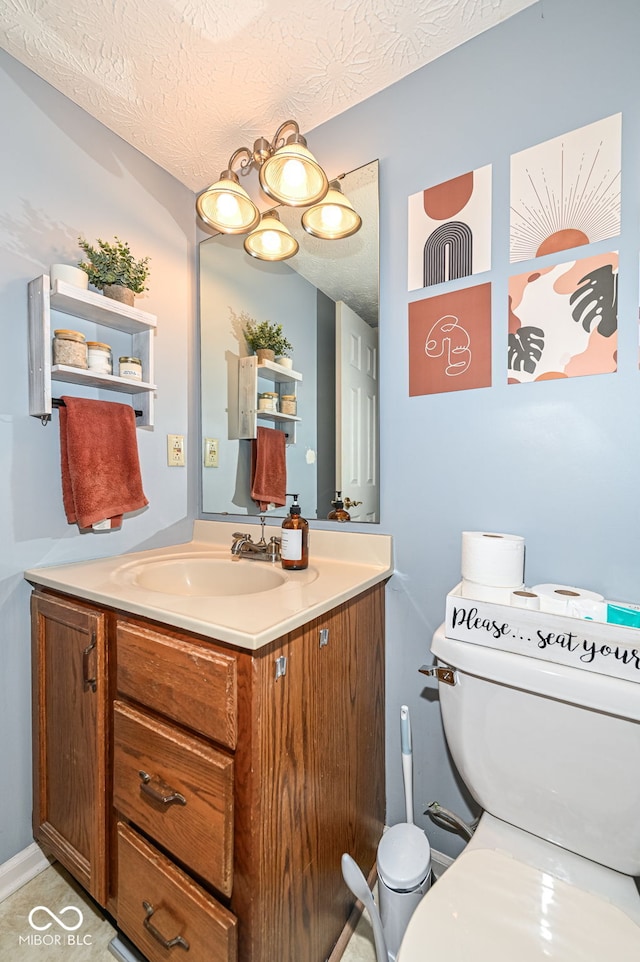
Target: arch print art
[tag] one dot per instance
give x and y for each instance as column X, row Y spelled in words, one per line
column 450, row 230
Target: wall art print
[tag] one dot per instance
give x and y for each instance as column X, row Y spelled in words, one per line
column 563, row 320
column 450, row 341
column 450, row 229
column 566, row 192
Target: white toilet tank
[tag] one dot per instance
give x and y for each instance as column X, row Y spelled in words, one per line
column 551, row 749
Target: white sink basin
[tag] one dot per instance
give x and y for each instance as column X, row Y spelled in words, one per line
column 211, row 577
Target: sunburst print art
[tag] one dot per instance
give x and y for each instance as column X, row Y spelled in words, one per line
column 565, row 193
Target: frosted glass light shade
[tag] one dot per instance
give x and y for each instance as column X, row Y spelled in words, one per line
column 333, row 218
column 271, row 241
column 293, row 176
column 227, row 207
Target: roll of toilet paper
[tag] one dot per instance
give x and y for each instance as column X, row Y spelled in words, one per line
column 556, row 599
column 525, row 599
column 493, row 559
column 476, row 592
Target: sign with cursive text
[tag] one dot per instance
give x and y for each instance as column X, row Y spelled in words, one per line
column 606, row 649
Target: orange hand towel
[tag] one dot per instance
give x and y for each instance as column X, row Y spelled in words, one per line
column 99, row 461
column 268, row 468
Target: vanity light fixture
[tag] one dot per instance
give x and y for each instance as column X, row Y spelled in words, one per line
column 333, row 217
column 288, row 172
column 271, row 240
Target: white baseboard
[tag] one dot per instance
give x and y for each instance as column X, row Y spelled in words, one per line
column 20, row 869
column 440, row 862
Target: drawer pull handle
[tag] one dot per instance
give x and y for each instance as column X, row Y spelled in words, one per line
column 166, row 797
column 158, row 936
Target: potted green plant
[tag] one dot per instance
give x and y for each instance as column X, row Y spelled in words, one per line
column 113, row 269
column 266, row 339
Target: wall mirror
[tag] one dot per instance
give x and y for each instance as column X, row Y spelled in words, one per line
column 326, row 298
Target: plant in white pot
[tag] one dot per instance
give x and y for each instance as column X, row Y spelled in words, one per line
column 267, row 340
column 113, row 269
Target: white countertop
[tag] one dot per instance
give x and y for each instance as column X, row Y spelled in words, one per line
column 342, row 564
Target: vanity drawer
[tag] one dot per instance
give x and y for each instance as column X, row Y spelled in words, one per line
column 190, row 683
column 178, row 789
column 152, row 890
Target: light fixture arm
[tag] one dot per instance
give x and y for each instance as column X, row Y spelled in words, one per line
column 278, row 139
column 243, row 164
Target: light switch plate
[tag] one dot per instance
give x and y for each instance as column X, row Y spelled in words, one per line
column 211, row 452
column 175, row 450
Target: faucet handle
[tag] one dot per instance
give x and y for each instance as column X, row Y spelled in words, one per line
column 273, row 549
column 239, row 534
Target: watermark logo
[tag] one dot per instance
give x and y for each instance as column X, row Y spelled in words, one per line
column 56, row 918
column 46, row 925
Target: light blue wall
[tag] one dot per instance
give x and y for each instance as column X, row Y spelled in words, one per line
column 557, row 462
column 62, row 174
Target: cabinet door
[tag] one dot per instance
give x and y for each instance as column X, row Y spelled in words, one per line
column 70, row 737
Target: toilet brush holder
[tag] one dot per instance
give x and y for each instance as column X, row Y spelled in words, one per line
column 404, row 877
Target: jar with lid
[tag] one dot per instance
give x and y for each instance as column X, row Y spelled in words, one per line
column 69, row 348
column 99, row 357
column 268, row 401
column 288, row 404
column 130, row 368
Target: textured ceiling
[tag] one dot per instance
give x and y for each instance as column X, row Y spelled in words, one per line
column 188, row 81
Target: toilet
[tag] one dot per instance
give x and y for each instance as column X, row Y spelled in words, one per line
column 552, row 754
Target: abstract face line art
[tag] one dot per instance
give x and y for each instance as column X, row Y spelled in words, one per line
column 450, row 341
column 447, row 338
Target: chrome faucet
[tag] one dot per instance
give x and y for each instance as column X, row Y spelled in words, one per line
column 244, row 547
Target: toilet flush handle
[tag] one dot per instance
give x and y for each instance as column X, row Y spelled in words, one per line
column 441, row 672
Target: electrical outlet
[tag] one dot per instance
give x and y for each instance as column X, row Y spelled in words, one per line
column 175, row 450
column 211, row 452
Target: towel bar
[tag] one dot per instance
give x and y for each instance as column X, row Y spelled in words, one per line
column 57, row 402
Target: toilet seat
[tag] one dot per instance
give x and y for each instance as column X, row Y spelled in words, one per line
column 491, row 907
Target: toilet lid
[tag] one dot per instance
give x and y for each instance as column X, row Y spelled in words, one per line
column 489, row 907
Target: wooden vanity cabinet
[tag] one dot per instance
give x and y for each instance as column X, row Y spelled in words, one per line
column 239, row 779
column 70, row 736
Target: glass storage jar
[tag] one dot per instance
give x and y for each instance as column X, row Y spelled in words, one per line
column 99, row 357
column 131, row 368
column 69, row 348
column 268, row 401
column 288, row 404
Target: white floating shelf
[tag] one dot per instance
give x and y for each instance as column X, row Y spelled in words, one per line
column 99, row 309
column 78, row 375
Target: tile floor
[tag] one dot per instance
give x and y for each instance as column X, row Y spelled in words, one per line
column 55, row 887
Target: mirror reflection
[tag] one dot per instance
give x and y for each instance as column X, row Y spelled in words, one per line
column 326, row 403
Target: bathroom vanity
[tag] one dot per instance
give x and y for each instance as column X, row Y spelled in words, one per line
column 201, row 772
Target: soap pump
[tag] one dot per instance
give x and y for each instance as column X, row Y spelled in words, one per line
column 294, row 547
column 338, row 512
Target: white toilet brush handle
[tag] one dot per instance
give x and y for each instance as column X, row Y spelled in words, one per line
column 407, row 772
column 407, row 760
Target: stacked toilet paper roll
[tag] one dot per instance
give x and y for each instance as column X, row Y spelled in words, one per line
column 523, row 598
column 564, row 599
column 492, row 565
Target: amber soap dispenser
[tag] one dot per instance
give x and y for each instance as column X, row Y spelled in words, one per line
column 294, row 547
column 338, row 511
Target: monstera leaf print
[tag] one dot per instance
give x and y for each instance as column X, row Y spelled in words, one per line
column 596, row 301
column 525, row 349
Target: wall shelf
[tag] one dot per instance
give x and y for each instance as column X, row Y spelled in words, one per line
column 97, row 309
column 249, row 375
